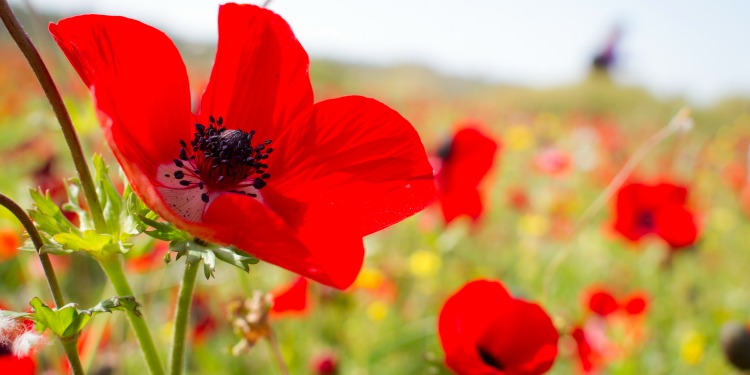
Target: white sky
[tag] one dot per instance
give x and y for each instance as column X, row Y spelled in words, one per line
column 696, row 48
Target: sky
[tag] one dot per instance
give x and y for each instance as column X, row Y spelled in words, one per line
column 696, row 49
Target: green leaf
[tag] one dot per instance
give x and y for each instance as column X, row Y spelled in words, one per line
column 162, row 231
column 47, row 216
column 195, row 252
column 89, row 241
column 68, row 320
column 108, row 196
column 73, row 189
column 115, row 303
column 63, row 322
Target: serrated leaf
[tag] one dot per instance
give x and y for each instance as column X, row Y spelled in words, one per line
column 54, row 248
column 73, row 190
column 89, row 241
column 47, row 217
column 68, row 320
column 208, row 254
column 64, row 322
column 108, row 196
column 115, row 303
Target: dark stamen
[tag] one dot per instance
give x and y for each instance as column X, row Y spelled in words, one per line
column 222, row 159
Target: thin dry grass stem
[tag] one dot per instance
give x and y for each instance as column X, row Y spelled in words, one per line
column 680, row 121
column 277, row 352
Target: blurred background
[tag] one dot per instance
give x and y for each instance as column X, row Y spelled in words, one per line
column 568, row 91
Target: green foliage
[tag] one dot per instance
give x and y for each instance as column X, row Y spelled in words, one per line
column 196, row 251
column 68, row 320
column 62, row 237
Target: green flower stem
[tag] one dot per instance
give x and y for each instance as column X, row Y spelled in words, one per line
column 49, row 273
column 113, row 268
column 58, row 106
column 71, row 350
column 184, row 300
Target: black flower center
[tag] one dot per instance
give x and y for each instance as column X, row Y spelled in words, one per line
column 222, row 159
column 489, row 359
column 645, row 220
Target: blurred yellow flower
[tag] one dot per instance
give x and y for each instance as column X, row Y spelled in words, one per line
column 693, row 346
column 533, row 225
column 377, row 311
column 424, row 263
column 519, row 137
column 369, row 278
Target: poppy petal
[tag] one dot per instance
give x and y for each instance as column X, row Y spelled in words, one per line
column 357, row 153
column 522, row 338
column 138, row 81
column 601, row 302
column 676, row 225
column 291, row 298
column 307, row 249
column 260, row 77
column 464, row 317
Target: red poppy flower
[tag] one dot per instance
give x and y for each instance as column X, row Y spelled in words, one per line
column 601, row 302
column 9, row 242
column 291, row 298
column 325, row 364
column 465, row 160
column 484, row 330
column 655, row 209
column 259, row 166
column 635, row 304
column 590, row 358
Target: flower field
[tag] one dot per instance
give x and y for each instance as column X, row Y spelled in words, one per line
column 610, row 226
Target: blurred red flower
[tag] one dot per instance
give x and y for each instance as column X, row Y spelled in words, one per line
column 149, row 260
column 484, row 330
column 9, row 243
column 260, row 166
column 590, row 358
column 325, row 364
column 659, row 209
column 553, row 161
column 291, row 298
column 601, row 302
column 464, row 162
column 635, row 304
column 202, row 318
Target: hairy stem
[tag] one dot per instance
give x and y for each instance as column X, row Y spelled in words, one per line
column 71, row 351
column 55, row 100
column 182, row 316
column 113, row 268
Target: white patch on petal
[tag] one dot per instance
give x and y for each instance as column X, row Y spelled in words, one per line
column 187, row 201
column 183, row 200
